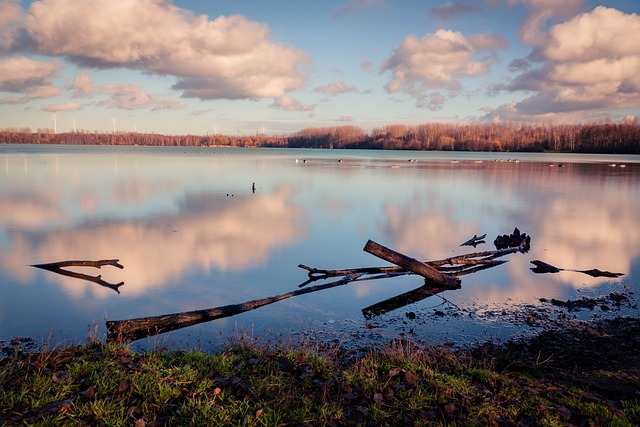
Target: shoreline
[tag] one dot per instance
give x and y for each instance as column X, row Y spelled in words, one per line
column 580, row 376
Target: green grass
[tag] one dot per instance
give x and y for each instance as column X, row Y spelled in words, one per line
column 247, row 385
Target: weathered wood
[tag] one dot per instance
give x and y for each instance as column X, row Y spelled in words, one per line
column 133, row 329
column 96, row 264
column 411, row 264
column 459, row 267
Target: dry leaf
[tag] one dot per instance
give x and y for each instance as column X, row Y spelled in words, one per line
column 410, row 377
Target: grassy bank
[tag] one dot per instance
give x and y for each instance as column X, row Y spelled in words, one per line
column 585, row 376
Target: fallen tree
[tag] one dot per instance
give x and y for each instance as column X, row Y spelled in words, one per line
column 440, row 275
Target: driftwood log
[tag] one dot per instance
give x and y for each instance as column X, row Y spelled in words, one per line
column 130, row 330
column 436, row 281
column 454, row 266
column 425, row 270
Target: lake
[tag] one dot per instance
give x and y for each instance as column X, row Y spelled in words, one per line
column 197, row 228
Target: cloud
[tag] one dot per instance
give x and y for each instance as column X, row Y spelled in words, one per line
column 83, row 86
column 30, row 78
column 291, row 104
column 542, row 11
column 355, row 5
column 201, row 112
column 124, row 96
column 420, row 67
column 336, row 88
column 366, row 66
column 228, row 57
column 11, row 25
column 69, row 106
column 449, row 11
column 21, row 73
column 585, row 64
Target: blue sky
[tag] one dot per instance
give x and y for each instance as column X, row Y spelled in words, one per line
column 248, row 66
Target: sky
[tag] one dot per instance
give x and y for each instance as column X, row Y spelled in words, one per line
column 250, row 66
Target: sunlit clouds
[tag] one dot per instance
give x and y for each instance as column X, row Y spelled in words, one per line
column 227, row 57
column 29, row 78
column 588, row 63
column 224, row 58
column 249, row 66
column 336, row 88
column 422, row 67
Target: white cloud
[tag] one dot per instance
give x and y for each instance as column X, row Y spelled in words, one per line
column 126, row 96
column 21, row 73
column 228, row 57
column 366, row 66
column 83, row 86
column 30, row 78
column 336, row 88
column 437, row 61
column 589, row 64
column 543, row 11
column 68, row 106
column 291, row 104
column 11, row 18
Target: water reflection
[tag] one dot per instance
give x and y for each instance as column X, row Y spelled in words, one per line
column 208, row 232
column 194, row 233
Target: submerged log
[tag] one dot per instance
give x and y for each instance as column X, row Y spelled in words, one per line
column 411, row 264
column 440, row 275
column 134, row 329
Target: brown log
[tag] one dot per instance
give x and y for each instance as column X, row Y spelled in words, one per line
column 412, row 264
column 96, row 264
column 134, row 329
column 459, row 267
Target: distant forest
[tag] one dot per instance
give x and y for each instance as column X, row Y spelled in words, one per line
column 618, row 138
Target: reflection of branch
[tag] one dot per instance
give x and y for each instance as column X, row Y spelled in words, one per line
column 543, row 267
column 55, row 267
column 401, row 300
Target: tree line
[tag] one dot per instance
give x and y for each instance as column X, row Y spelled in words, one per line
column 618, row 138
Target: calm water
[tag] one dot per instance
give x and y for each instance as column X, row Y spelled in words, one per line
column 192, row 234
